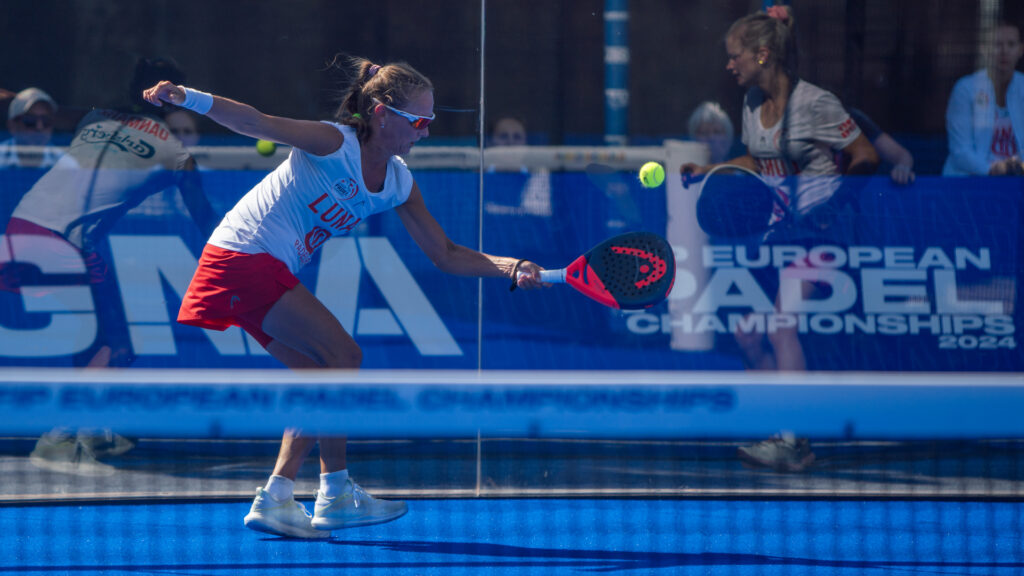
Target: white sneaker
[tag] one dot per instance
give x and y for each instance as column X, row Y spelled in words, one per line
column 68, row 456
column 288, row 518
column 354, row 507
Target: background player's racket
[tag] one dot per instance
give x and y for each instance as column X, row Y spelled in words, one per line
column 734, row 202
column 629, row 271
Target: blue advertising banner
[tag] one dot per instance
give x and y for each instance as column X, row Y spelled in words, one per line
column 919, row 278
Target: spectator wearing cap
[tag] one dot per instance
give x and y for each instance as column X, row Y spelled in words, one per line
column 30, row 123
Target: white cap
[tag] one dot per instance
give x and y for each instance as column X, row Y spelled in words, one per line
column 26, row 99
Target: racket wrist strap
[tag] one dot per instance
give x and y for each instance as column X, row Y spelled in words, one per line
column 515, row 272
column 196, row 101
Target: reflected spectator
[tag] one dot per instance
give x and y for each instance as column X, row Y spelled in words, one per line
column 30, row 122
column 985, row 115
column 535, row 197
column 508, row 131
column 184, row 125
column 58, row 235
column 711, row 125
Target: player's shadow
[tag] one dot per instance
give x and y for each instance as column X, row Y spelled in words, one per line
column 612, row 561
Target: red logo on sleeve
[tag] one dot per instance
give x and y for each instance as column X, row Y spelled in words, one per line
column 847, row 128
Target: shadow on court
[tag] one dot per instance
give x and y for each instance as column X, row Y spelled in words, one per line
column 516, row 557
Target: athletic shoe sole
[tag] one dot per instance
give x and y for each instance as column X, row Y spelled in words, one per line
column 260, row 523
column 321, row 523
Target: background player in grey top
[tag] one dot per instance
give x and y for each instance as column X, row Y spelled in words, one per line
column 791, row 128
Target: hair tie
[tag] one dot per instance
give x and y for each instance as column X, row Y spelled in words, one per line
column 357, row 116
column 515, row 279
column 373, row 70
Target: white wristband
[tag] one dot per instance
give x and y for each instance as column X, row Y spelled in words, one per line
column 197, row 101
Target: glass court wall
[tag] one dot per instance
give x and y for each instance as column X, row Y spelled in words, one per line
column 545, row 112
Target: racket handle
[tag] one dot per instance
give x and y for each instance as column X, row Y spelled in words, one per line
column 553, row 276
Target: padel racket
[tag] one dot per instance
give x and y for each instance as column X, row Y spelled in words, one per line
column 734, row 202
column 629, row 271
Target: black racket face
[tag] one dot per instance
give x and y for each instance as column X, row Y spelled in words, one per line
column 734, row 203
column 637, row 269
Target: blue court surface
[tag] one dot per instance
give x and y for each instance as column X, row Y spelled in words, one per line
column 530, row 536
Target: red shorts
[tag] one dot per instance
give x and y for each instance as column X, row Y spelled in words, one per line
column 235, row 289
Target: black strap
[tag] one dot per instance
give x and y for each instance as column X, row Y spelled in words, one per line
column 515, row 270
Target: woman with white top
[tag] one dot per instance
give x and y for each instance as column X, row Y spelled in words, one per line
column 985, row 114
column 338, row 173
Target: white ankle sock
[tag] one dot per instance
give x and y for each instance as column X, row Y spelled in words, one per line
column 332, row 483
column 280, row 488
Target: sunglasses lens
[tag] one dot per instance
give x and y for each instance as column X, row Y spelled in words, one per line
column 420, row 123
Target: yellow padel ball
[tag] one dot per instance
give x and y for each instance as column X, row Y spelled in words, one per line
column 652, row 175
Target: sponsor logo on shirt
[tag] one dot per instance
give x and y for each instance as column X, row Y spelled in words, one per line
column 1004, row 144
column 98, row 135
column 347, row 188
column 773, row 166
column 316, row 238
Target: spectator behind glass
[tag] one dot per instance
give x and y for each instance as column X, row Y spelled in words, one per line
column 30, row 122
column 508, row 131
column 60, row 228
column 534, row 199
column 711, row 125
column 184, row 125
column 985, row 115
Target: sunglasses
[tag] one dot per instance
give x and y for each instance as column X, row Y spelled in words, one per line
column 30, row 121
column 418, row 122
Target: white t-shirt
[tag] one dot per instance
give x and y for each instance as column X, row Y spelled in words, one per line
column 307, row 200
column 115, row 161
column 816, row 126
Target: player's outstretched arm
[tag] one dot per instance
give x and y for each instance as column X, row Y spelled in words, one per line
column 309, row 135
column 456, row 259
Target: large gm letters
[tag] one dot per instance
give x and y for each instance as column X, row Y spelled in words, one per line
column 143, row 278
column 72, row 326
